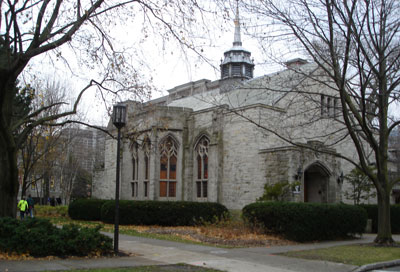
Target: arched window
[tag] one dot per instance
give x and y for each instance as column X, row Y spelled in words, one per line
column 168, row 162
column 202, row 167
column 146, row 166
column 135, row 169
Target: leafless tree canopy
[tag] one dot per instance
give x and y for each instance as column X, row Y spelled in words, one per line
column 44, row 28
column 356, row 46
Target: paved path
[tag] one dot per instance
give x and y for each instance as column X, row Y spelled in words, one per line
column 151, row 251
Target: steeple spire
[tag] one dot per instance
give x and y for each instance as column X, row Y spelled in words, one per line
column 237, row 41
column 237, row 63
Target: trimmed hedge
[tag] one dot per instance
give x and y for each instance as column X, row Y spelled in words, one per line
column 163, row 213
column 38, row 237
column 372, row 211
column 86, row 209
column 307, row 221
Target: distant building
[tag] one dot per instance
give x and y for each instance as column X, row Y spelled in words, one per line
column 87, row 146
column 80, row 153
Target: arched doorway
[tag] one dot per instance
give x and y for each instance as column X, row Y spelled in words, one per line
column 316, row 179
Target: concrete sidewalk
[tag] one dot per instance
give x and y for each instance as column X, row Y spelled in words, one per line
column 156, row 252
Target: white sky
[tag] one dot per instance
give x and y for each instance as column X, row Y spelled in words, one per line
column 156, row 59
column 166, row 64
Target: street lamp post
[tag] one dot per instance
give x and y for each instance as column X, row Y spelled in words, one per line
column 118, row 119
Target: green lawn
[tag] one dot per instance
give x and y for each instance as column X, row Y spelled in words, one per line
column 128, row 231
column 352, row 254
column 154, row 268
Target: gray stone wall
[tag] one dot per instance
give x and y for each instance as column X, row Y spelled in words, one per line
column 104, row 180
column 242, row 177
column 243, row 156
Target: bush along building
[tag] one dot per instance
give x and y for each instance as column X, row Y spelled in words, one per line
column 224, row 140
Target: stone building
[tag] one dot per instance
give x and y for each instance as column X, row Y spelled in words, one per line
column 223, row 140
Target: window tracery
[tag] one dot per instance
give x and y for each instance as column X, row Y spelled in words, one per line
column 135, row 169
column 168, row 167
column 202, row 167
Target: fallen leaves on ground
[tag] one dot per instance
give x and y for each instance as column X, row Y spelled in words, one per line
column 232, row 236
column 25, row 256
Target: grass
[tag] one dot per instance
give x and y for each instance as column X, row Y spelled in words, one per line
column 128, row 230
column 46, row 210
column 351, row 254
column 154, row 268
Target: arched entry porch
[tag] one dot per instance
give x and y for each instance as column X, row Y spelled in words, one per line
column 316, row 183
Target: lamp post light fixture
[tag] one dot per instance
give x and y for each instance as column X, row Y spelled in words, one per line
column 119, row 121
column 299, row 174
column 340, row 178
column 297, row 184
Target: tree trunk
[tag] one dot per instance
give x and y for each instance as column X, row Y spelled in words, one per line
column 46, row 179
column 9, row 185
column 384, row 225
column 23, row 188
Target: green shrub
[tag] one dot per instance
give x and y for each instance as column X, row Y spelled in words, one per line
column 38, row 237
column 275, row 192
column 80, row 241
column 86, row 209
column 372, row 211
column 163, row 213
column 307, row 221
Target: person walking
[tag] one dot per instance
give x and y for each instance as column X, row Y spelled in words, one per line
column 31, row 205
column 22, row 206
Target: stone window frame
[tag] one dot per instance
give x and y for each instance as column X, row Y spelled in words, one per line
column 146, row 166
column 201, row 167
column 52, row 183
column 33, row 182
column 329, row 106
column 168, row 151
column 135, row 187
column 135, row 169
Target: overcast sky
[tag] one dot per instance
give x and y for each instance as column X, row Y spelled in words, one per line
column 162, row 61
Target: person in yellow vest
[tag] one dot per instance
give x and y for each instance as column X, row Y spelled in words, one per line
column 23, row 207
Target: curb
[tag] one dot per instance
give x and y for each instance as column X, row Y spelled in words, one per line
column 370, row 267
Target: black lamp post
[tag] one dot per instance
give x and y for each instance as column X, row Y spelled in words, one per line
column 118, row 119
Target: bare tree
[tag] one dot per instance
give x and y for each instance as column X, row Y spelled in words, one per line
column 30, row 29
column 37, row 158
column 39, row 152
column 69, row 172
column 355, row 46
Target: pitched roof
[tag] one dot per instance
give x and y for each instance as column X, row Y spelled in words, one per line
column 267, row 90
